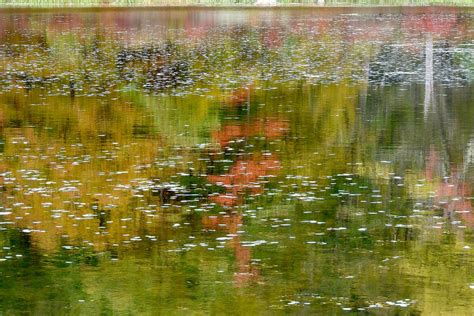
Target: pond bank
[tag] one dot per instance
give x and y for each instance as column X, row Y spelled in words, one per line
column 332, row 9
column 242, row 4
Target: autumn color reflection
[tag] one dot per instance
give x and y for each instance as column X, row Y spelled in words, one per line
column 452, row 193
column 244, row 178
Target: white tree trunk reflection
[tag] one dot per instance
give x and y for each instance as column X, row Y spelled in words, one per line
column 469, row 154
column 429, row 93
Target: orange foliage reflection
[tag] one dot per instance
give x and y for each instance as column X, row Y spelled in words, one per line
column 270, row 128
column 243, row 178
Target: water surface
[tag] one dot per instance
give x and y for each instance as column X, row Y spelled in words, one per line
column 237, row 161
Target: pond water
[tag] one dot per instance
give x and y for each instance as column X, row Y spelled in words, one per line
column 237, row 161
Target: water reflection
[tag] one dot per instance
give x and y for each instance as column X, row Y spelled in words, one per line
column 288, row 160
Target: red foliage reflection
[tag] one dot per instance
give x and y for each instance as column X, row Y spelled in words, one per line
column 243, row 178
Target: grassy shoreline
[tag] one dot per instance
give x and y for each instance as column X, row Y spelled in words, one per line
column 342, row 9
column 244, row 4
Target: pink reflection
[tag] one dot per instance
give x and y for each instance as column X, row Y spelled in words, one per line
column 451, row 195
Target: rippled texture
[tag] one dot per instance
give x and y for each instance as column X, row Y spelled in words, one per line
column 237, row 161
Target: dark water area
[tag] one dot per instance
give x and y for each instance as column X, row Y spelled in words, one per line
column 198, row 161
